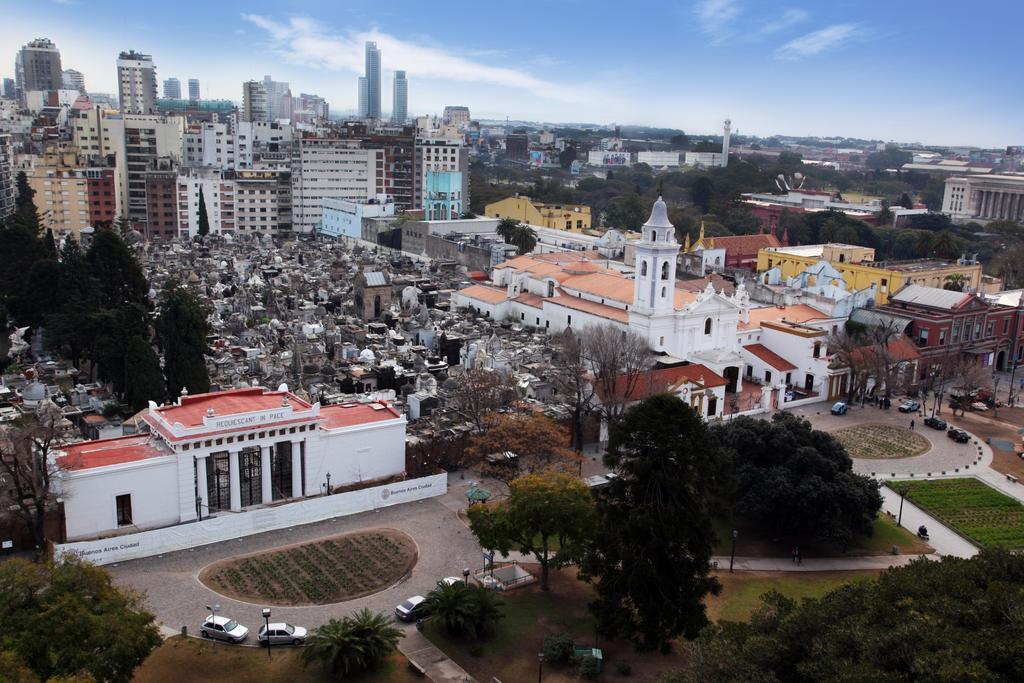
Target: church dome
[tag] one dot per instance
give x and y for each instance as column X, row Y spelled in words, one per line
column 659, row 216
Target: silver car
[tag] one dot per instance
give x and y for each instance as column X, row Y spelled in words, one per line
column 282, row 634
column 222, row 628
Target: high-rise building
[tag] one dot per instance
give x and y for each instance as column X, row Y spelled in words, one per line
column 456, row 115
column 37, row 67
column 193, row 89
column 73, row 80
column 136, row 83
column 172, row 89
column 372, row 80
column 439, row 154
column 307, row 108
column 254, row 101
column 10, row 92
column 362, row 97
column 6, row 176
column 279, row 99
column 71, row 195
column 328, row 168
column 400, row 108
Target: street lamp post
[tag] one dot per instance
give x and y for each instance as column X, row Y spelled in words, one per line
column 540, row 665
column 465, row 576
column 266, row 622
column 903, row 492
column 328, row 483
column 214, row 608
column 732, row 557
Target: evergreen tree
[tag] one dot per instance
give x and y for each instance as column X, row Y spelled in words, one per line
column 143, row 381
column 652, row 551
column 20, row 248
column 181, row 328
column 119, row 277
column 204, row 220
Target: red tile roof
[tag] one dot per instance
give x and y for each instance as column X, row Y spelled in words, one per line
column 233, row 402
column 736, row 245
column 591, row 307
column 103, row 452
column 352, row 414
column 770, row 357
column 490, row 295
column 663, row 380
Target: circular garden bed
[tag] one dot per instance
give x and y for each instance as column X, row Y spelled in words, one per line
column 318, row 573
column 881, row 442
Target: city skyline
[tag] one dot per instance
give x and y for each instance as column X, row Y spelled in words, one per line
column 779, row 69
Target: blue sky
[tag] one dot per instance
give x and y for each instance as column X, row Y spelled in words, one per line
column 933, row 71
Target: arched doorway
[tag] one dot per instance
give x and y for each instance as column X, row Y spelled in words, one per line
column 731, row 375
column 1001, row 360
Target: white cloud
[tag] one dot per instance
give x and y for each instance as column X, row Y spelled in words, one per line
column 790, row 17
column 306, row 42
column 816, row 42
column 716, row 18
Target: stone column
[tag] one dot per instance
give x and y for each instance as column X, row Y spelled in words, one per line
column 296, row 470
column 265, row 480
column 236, row 484
column 204, row 493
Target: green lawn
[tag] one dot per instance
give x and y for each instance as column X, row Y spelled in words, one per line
column 971, row 507
column 742, row 591
column 752, row 542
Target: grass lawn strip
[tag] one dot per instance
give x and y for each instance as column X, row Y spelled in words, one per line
column 742, row 591
column 971, row 507
column 322, row 572
column 881, row 442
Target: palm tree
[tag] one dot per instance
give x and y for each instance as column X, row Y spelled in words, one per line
column 452, row 605
column 487, row 610
column 506, row 226
column 946, row 245
column 524, row 238
column 955, row 282
column 354, row 643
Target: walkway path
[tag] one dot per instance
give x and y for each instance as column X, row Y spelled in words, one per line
column 942, row 538
column 433, row 662
column 817, row 564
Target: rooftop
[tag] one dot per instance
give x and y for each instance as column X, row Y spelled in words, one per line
column 351, row 414
column 191, row 410
column 117, row 451
column 930, row 296
column 770, row 357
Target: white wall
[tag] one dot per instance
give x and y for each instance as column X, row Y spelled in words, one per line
column 229, row 526
column 356, row 455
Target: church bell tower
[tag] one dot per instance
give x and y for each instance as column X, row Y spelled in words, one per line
column 656, row 253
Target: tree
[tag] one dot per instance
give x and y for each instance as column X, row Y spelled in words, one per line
column 542, row 510
column 351, row 644
column 506, row 227
column 652, row 551
column 947, row 245
column 796, row 482
column 625, row 212
column 204, row 219
column 572, row 380
column 906, row 202
column 537, row 441
column 481, row 392
column 117, row 273
column 702, row 192
column 955, row 282
column 871, row 630
column 29, row 471
column 566, row 157
column 463, row 609
column 143, row 380
column 618, row 358
column 524, row 238
column 181, row 329
column 68, row 619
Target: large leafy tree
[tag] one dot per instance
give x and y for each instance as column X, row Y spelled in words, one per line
column 181, row 328
column 352, row 644
column 550, row 516
column 954, row 620
column 539, row 443
column 143, row 380
column 68, row 619
column 652, row 551
column 795, row 481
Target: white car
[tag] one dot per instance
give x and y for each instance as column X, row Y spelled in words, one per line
column 222, row 628
column 451, row 581
column 979, row 406
column 282, row 634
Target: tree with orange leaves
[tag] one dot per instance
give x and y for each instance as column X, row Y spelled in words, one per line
column 517, row 444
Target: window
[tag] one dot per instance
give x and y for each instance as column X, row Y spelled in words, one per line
column 922, row 337
column 707, row 326
column 661, row 341
column 643, row 269
column 990, row 328
column 767, row 376
column 124, row 509
column 569, row 320
column 817, row 349
column 664, row 270
column 750, row 371
column 1006, row 325
column 942, row 337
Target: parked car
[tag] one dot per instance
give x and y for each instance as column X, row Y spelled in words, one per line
column 979, row 405
column 839, row 408
column 935, row 422
column 958, row 435
column 412, row 609
column 223, row 628
column 282, row 634
column 451, row 581
column 909, row 407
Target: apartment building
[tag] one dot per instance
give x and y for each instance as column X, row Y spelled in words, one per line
column 331, row 168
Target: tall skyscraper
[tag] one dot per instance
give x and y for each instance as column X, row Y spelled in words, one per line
column 372, row 80
column 37, row 67
column 10, row 92
column 254, row 101
column 172, row 89
column 362, row 97
column 73, row 80
column 279, row 99
column 400, row 107
column 193, row 89
column 136, row 83
column 7, row 186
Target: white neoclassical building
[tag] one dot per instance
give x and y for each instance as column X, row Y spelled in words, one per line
column 984, row 198
column 224, row 452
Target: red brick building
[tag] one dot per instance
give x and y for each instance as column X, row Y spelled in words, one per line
column 161, row 205
column 102, row 189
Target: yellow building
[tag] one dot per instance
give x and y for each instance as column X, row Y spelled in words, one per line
column 571, row 217
column 861, row 271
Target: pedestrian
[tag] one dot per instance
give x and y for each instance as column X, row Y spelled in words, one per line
column 911, row 425
column 799, row 556
column 796, row 551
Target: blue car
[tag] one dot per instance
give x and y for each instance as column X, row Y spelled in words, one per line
column 839, row 408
